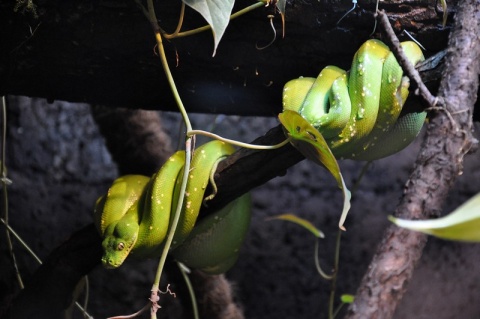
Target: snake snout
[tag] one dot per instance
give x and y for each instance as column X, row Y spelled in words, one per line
column 108, row 263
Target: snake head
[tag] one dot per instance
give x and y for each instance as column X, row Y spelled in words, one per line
column 119, row 240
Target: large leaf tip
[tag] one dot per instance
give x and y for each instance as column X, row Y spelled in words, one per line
column 463, row 224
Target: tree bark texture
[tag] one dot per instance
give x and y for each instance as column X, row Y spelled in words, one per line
column 104, row 52
column 448, row 140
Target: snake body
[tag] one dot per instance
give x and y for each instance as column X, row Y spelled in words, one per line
column 134, row 216
column 359, row 112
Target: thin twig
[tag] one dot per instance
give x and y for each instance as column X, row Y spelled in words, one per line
column 402, row 59
column 5, row 182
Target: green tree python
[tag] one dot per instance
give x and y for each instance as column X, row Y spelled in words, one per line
column 134, row 216
column 358, row 113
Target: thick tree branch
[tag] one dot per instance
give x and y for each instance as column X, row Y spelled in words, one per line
column 102, row 52
column 437, row 166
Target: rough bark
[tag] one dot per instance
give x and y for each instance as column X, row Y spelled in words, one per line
column 448, row 139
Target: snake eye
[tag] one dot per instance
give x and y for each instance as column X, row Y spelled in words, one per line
column 120, row 246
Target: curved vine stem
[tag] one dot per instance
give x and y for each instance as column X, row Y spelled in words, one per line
column 320, row 271
column 154, row 298
column 184, row 271
column 237, row 143
column 179, row 25
column 190, row 135
column 331, row 303
column 178, row 34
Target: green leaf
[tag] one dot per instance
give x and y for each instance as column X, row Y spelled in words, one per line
column 281, row 4
column 302, row 222
column 463, row 224
column 346, row 298
column 310, row 142
column 216, row 12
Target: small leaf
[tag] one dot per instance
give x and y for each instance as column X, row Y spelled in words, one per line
column 346, row 298
column 310, row 142
column 216, row 12
column 463, row 224
column 302, row 222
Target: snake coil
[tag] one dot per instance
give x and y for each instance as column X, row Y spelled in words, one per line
column 136, row 214
column 359, row 112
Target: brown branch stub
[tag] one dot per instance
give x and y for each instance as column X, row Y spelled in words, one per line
column 437, row 166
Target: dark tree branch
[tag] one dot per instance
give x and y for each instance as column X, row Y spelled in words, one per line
column 102, row 52
column 437, row 166
column 49, row 292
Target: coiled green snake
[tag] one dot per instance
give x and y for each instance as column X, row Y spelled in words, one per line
column 134, row 216
column 357, row 113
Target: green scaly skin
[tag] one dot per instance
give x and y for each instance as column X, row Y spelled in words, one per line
column 360, row 120
column 135, row 215
column 228, row 227
column 204, row 159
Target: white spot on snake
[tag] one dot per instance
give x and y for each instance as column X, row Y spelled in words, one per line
column 150, row 228
column 189, row 204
